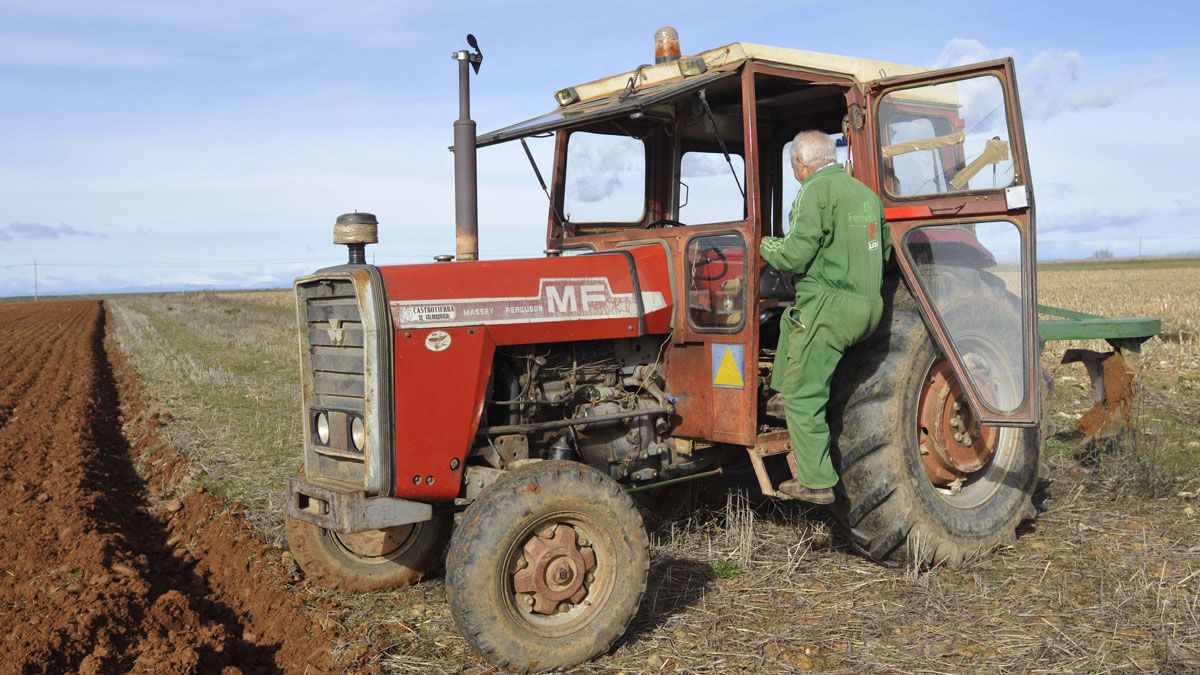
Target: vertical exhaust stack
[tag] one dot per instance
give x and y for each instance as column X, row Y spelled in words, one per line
column 466, row 196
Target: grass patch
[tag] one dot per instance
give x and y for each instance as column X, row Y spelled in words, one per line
column 725, row 569
column 1105, row 580
column 227, row 370
column 1121, row 263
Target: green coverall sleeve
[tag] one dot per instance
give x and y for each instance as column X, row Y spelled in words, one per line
column 806, row 222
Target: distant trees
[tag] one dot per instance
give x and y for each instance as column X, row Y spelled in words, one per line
column 1102, row 254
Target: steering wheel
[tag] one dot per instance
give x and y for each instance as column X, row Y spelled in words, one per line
column 664, row 222
column 710, row 255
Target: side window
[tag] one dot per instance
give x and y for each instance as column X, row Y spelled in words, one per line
column 919, row 171
column 709, row 193
column 791, row 186
column 716, row 278
column 946, row 138
column 606, row 179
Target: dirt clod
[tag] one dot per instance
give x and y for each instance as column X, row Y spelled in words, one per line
column 124, row 570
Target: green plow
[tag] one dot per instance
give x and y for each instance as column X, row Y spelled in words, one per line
column 1111, row 373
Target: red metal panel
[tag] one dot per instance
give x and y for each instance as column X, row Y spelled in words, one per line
column 893, row 213
column 439, row 391
column 449, row 318
column 686, row 369
column 524, row 301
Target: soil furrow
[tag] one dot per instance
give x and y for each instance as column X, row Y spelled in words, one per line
column 100, row 570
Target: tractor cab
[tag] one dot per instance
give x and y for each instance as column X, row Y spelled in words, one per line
column 692, row 155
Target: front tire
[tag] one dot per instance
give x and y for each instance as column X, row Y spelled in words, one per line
column 368, row 561
column 890, row 502
column 547, row 567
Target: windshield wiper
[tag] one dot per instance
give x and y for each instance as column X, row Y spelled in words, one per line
column 720, row 141
column 562, row 223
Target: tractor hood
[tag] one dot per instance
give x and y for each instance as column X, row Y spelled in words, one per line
column 607, row 294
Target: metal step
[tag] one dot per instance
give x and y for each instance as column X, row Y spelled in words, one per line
column 771, row 444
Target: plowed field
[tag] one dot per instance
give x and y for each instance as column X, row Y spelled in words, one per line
column 102, row 568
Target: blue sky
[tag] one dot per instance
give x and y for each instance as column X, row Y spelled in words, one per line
column 214, row 143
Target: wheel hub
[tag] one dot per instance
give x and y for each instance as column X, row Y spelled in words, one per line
column 953, row 443
column 557, row 567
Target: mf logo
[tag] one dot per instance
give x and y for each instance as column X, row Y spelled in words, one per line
column 564, row 298
column 337, row 334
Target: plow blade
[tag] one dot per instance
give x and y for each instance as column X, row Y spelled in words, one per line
column 1112, row 373
column 1112, row 389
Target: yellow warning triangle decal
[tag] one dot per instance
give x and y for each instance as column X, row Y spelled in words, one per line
column 728, row 373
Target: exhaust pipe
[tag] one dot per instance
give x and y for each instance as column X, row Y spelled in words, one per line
column 466, row 196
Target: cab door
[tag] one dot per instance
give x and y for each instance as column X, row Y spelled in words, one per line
column 951, row 167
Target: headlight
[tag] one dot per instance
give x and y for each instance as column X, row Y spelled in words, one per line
column 358, row 434
column 322, row 425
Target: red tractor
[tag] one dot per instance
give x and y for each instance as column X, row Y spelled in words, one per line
column 508, row 406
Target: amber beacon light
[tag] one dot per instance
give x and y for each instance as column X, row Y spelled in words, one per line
column 666, row 45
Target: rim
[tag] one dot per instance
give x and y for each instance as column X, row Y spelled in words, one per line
column 376, row 547
column 560, row 571
column 964, row 461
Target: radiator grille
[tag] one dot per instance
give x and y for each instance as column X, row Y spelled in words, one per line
column 335, row 345
column 333, row 340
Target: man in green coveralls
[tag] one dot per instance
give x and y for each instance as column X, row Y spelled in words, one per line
column 836, row 244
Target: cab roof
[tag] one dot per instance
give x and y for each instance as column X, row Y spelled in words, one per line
column 734, row 54
column 608, row 97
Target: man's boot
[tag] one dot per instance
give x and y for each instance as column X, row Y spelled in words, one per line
column 795, row 490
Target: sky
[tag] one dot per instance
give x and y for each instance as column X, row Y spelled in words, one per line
column 150, row 144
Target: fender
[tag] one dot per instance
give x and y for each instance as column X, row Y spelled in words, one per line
column 449, row 318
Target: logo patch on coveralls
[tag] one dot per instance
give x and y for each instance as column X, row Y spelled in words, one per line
column 727, row 366
column 867, row 218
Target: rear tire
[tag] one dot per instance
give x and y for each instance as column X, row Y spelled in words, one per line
column 547, row 567
column 887, row 503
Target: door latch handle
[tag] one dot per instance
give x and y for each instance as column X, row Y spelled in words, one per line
column 948, row 209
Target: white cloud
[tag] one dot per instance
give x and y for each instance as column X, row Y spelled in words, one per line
column 1102, row 172
column 21, row 230
column 961, row 51
column 1051, row 83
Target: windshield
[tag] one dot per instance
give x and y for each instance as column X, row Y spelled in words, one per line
column 606, row 179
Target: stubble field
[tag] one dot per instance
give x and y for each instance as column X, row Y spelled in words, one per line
column 1107, row 579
